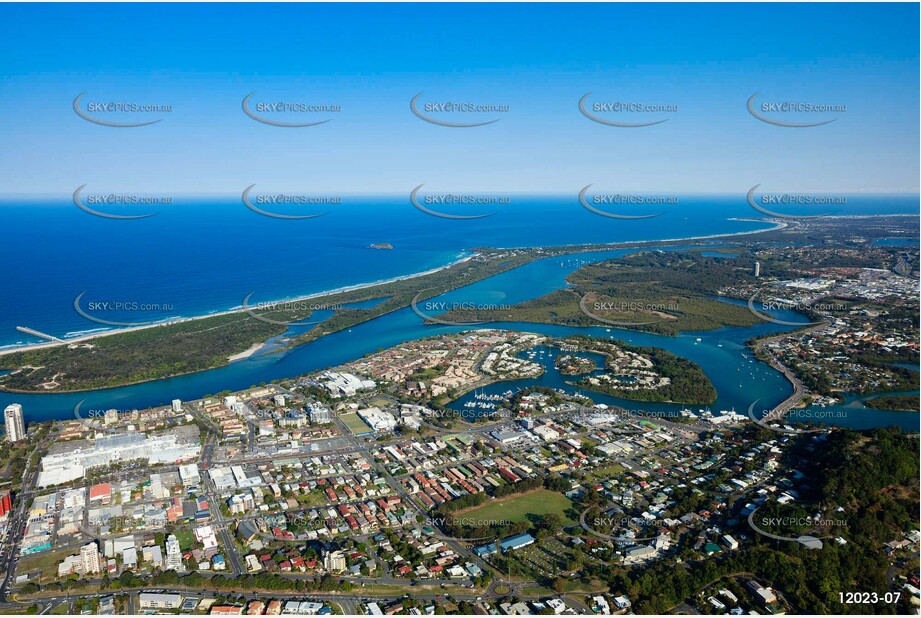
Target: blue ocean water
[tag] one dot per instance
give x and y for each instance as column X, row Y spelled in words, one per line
column 280, row 262
column 199, row 256
column 738, row 378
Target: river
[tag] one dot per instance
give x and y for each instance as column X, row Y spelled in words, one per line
column 737, row 376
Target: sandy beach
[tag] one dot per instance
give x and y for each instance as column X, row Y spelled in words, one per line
column 351, row 288
column 246, row 353
column 237, row 309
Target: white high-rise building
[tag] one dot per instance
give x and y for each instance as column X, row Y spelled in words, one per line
column 177, row 405
column 173, row 554
column 334, row 561
column 15, row 428
column 89, row 557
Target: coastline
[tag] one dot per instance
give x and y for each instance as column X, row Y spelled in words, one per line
column 777, row 225
column 231, row 311
column 98, row 333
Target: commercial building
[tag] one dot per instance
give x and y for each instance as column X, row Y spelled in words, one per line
column 6, row 502
column 189, row 476
column 319, row 415
column 205, row 535
column 514, row 542
column 67, row 461
column 546, row 433
column 507, row 437
column 639, row 553
column 101, row 493
column 153, row 555
column 150, row 600
column 377, row 419
column 345, row 384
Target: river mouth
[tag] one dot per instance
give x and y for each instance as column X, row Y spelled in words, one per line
column 722, row 353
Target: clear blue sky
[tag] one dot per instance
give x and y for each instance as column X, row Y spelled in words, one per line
column 538, row 59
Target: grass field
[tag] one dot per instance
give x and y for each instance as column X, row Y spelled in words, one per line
column 46, row 562
column 355, row 424
column 607, row 472
column 186, row 539
column 518, row 507
column 432, row 588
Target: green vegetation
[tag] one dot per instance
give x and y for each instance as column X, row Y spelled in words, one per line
column 860, row 367
column 354, row 423
column 186, row 539
column 688, row 382
column 195, row 345
column 15, row 457
column 46, row 563
column 671, row 291
column 873, row 476
column 522, row 507
column 905, row 403
column 532, row 504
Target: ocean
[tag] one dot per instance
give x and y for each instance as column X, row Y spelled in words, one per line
column 200, row 256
